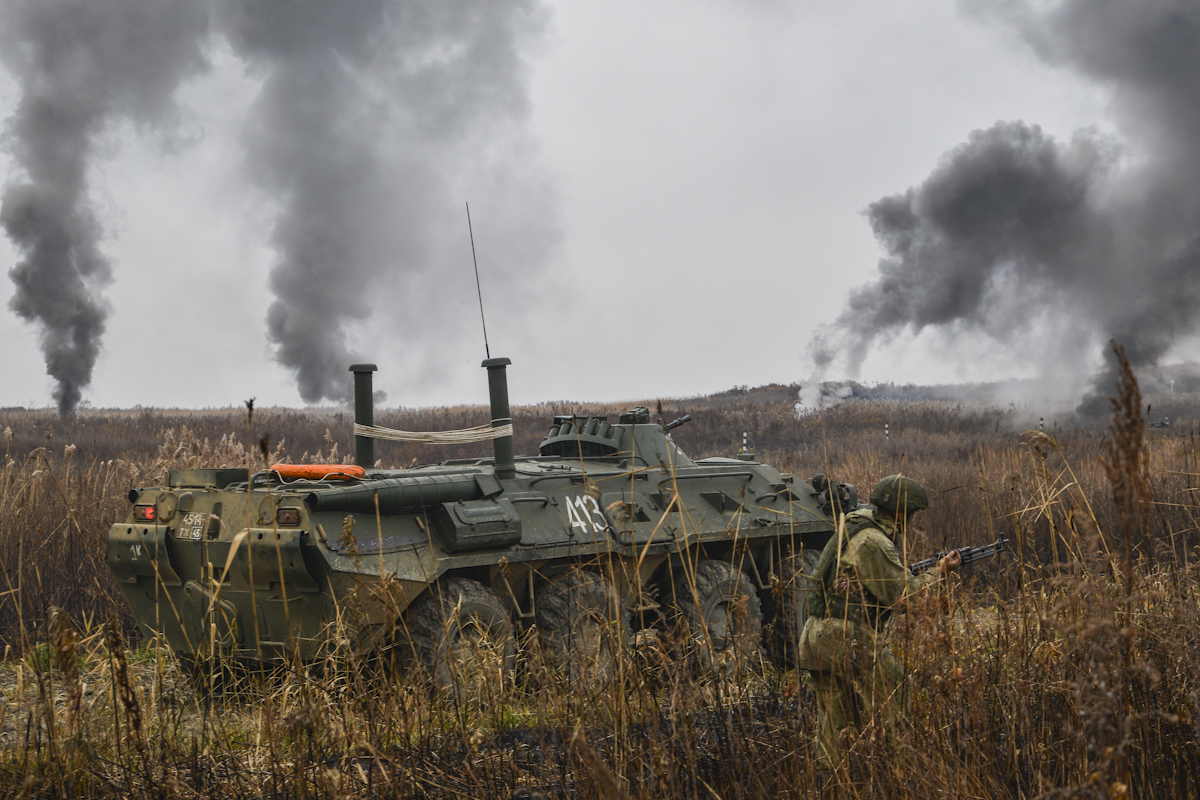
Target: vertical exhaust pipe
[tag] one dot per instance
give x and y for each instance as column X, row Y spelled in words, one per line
column 364, row 414
column 501, row 415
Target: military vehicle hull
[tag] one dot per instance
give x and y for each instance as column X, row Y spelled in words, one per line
column 610, row 524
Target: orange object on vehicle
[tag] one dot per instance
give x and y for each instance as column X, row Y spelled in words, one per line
column 319, row 472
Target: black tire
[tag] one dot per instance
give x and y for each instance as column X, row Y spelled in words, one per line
column 461, row 636
column 789, row 601
column 722, row 618
column 583, row 627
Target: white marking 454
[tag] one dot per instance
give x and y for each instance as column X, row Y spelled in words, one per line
column 584, row 513
column 192, row 525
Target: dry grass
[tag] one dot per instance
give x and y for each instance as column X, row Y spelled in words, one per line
column 1072, row 669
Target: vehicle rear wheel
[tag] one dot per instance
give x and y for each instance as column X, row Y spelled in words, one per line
column 583, row 627
column 462, row 636
column 720, row 613
column 790, row 602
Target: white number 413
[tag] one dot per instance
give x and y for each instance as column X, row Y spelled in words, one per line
column 584, row 513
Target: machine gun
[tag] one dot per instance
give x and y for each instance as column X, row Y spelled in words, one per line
column 673, row 424
column 968, row 554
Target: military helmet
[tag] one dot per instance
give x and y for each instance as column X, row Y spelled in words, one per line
column 899, row 494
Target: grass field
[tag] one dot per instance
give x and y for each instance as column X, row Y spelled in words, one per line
column 1068, row 668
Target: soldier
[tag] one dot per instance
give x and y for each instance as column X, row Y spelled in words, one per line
column 858, row 583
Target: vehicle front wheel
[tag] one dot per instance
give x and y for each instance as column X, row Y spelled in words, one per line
column 790, row 603
column 720, row 613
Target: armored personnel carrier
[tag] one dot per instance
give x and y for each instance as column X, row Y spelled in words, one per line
column 610, row 528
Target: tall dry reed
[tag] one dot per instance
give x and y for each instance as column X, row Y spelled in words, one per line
column 1067, row 668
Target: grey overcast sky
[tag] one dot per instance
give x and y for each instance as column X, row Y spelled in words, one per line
column 702, row 170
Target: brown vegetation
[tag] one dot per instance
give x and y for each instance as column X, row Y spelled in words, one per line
column 1068, row 668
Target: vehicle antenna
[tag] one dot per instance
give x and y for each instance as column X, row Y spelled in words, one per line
column 487, row 350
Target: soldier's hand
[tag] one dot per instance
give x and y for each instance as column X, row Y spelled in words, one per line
column 950, row 561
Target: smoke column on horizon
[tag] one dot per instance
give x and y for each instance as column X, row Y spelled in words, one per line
column 80, row 66
column 368, row 114
column 1016, row 229
column 373, row 120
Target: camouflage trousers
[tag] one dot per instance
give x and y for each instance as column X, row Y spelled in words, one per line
column 861, row 687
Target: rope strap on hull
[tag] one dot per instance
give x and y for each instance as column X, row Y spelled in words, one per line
column 480, row 433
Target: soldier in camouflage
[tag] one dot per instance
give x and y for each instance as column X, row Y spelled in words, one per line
column 858, row 583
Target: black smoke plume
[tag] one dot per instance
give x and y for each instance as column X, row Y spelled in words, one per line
column 374, row 119
column 1015, row 229
column 80, row 66
column 369, row 114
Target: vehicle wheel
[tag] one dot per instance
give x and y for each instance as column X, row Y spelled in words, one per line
column 790, row 604
column 583, row 627
column 462, row 636
column 722, row 616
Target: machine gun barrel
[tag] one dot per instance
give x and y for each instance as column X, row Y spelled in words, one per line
column 673, row 424
column 968, row 554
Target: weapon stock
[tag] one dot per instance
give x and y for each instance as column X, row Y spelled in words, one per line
column 968, row 554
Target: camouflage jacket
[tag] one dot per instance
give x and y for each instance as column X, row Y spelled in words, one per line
column 859, row 590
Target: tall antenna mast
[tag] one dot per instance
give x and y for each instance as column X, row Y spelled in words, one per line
column 478, row 290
